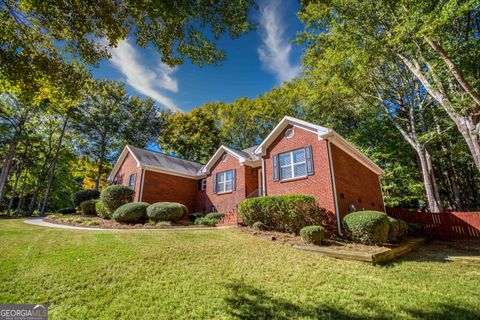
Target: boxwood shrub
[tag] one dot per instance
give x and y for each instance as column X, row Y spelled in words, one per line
column 84, row 195
column 165, row 211
column 133, row 212
column 313, row 234
column 206, row 221
column 102, row 211
column 398, row 230
column 285, row 213
column 115, row 196
column 194, row 216
column 369, row 227
column 88, row 207
column 215, row 215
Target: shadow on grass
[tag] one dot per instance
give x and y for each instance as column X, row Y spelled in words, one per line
column 247, row 302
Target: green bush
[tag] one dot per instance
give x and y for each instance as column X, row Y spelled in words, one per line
column 133, row 212
column 185, row 210
column 67, row 210
column 84, row 195
column 397, row 231
column 102, row 211
column 206, row 221
column 194, row 216
column 287, row 213
column 115, row 196
column 313, row 234
column 415, row 229
column 260, row 225
column 88, row 207
column 215, row 215
column 369, row 227
column 165, row 211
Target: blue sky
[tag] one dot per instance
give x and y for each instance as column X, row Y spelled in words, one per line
column 255, row 63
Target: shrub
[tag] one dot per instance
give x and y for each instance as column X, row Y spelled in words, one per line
column 165, row 211
column 313, row 234
column 185, row 210
column 206, row 221
column 287, row 213
column 398, row 230
column 215, row 215
column 88, row 207
column 84, row 195
column 133, row 212
column 415, row 229
column 66, row 210
column 115, row 196
column 369, row 227
column 260, row 225
column 102, row 211
column 194, row 216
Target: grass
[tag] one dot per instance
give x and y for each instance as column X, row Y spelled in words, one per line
column 219, row 274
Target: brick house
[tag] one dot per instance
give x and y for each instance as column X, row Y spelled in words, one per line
column 296, row 157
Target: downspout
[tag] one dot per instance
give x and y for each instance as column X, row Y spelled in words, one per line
column 140, row 193
column 332, row 175
column 381, row 191
column 264, row 191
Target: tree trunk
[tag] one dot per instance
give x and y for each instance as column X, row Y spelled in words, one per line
column 52, row 169
column 14, row 190
column 7, row 165
column 432, row 202
column 433, row 179
column 20, row 200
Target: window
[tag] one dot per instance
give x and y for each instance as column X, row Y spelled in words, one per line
column 225, row 181
column 132, row 180
column 203, row 184
column 293, row 164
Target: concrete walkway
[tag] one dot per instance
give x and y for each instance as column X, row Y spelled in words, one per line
column 39, row 222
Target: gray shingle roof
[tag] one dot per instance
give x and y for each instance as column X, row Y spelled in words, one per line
column 164, row 161
column 250, row 152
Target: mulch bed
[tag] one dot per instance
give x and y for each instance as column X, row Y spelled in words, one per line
column 112, row 224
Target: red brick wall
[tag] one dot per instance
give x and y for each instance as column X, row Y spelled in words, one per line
column 251, row 179
column 355, row 183
column 318, row 185
column 223, row 201
column 159, row 187
column 128, row 167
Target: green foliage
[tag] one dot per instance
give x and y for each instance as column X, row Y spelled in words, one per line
column 215, row 215
column 206, row 221
column 165, row 211
column 194, row 216
column 84, row 195
column 133, row 212
column 415, row 229
column 313, row 234
column 287, row 213
column 368, row 227
column 260, row 225
column 102, row 210
column 67, row 210
column 398, row 230
column 116, row 196
column 88, row 207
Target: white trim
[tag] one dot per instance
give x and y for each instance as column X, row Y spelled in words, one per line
column 172, row 172
column 140, row 195
column 264, row 184
column 120, row 161
column 224, row 182
column 243, row 161
column 335, row 199
column 292, row 164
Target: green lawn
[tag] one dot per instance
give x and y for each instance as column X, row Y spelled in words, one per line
column 221, row 274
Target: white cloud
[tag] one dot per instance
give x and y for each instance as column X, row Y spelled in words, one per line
column 148, row 80
column 275, row 50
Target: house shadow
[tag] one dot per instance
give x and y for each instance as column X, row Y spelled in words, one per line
column 247, row 302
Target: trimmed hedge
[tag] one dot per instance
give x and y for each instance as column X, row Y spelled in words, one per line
column 194, row 216
column 369, row 227
column 313, row 234
column 398, row 230
column 133, row 212
column 260, row 225
column 115, row 196
column 286, row 213
column 88, row 207
column 67, row 210
column 165, row 211
column 102, row 211
column 84, row 195
column 206, row 221
column 215, row 215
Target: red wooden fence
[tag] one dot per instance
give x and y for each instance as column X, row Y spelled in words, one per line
column 446, row 225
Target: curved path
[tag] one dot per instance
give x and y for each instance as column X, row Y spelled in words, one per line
column 39, row 222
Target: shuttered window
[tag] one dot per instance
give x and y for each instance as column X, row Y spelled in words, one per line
column 132, row 180
column 293, row 164
column 225, row 181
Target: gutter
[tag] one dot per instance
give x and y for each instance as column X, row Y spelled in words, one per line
column 335, row 199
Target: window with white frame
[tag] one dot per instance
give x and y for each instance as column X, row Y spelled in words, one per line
column 225, row 181
column 132, row 180
column 203, row 184
column 293, row 164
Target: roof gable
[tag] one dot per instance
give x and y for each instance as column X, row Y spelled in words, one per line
column 245, row 156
